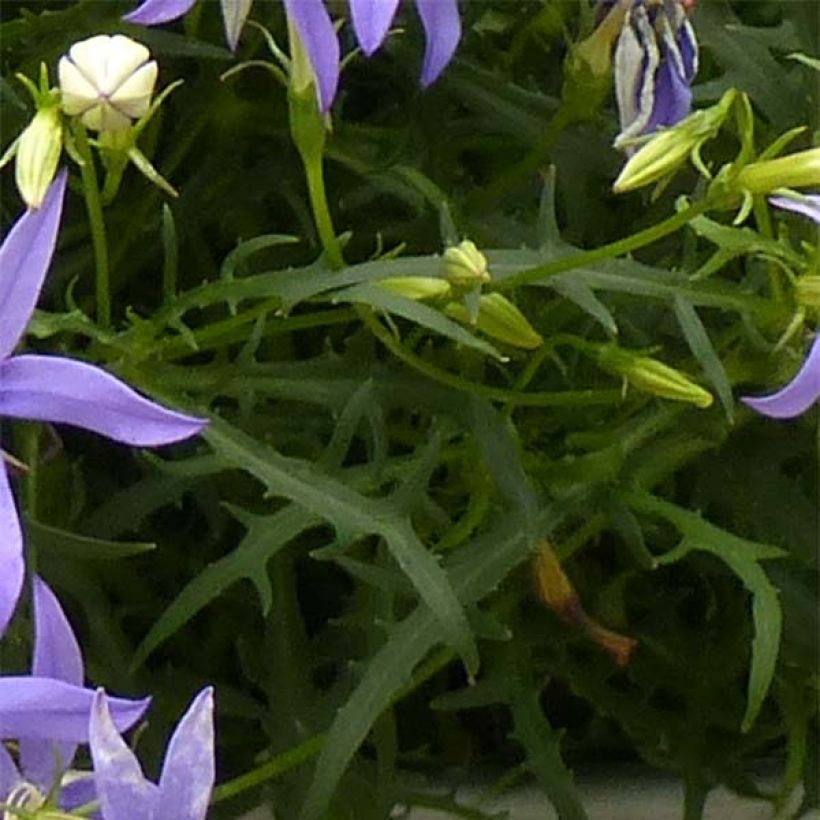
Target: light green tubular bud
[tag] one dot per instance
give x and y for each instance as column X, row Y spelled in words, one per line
column 500, row 319
column 665, row 152
column 465, row 265
column 652, row 376
column 38, row 152
column 107, row 82
column 800, row 170
column 416, row 287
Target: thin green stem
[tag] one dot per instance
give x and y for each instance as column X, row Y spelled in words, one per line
column 96, row 220
column 610, row 251
column 562, row 398
column 314, row 173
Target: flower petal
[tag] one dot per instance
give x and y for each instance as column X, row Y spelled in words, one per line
column 155, row 12
column 12, row 566
column 371, row 21
column 56, row 655
column 234, row 15
column 24, row 259
column 442, row 25
column 51, row 388
column 9, row 776
column 54, row 710
column 189, row 769
column 123, row 791
column 807, row 205
column 798, row 395
column 319, row 40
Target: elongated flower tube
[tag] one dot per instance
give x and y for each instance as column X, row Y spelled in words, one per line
column 371, row 22
column 49, row 713
column 656, row 60
column 188, row 771
column 56, row 389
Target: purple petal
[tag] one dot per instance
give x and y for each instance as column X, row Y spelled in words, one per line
column 78, row 791
column 154, row 12
column 688, row 49
column 798, row 395
column 673, row 97
column 189, row 769
column 24, row 259
column 442, row 26
column 12, row 566
column 54, row 710
column 51, row 388
column 123, row 792
column 371, row 21
column 56, row 655
column 315, row 30
column 56, row 651
column 808, row 205
column 9, row 776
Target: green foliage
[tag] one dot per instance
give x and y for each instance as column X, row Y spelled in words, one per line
column 344, row 554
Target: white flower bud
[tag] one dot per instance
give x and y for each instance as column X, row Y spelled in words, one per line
column 107, row 81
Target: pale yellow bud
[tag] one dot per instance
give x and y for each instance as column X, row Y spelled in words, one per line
column 499, row 318
column 653, row 376
column 800, row 170
column 38, row 152
column 107, row 81
column 464, row 264
column 416, row 287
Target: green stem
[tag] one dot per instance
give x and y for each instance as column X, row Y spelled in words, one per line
column 561, row 398
column 610, row 251
column 96, row 220
column 314, row 173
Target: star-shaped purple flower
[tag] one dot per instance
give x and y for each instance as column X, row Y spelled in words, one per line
column 55, row 389
column 187, row 778
column 656, row 61
column 49, row 712
column 371, row 22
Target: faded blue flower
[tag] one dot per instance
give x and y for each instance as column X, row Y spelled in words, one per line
column 656, row 60
column 371, row 22
column 48, row 712
column 188, row 771
column 798, row 395
column 55, row 389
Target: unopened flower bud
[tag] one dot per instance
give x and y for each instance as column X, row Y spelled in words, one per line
column 653, row 376
column 798, row 170
column 500, row 319
column 464, row 264
column 107, row 81
column 670, row 148
column 416, row 287
column 38, row 152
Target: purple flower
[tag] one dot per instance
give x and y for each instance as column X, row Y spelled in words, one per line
column 805, row 204
column 798, row 395
column 49, row 711
column 656, row 60
column 187, row 777
column 55, row 389
column 371, row 22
